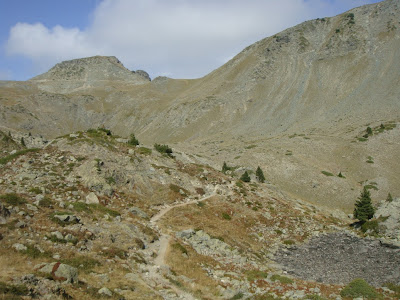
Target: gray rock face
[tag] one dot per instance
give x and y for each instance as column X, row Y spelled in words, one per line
column 391, row 212
column 19, row 247
column 340, row 258
column 143, row 74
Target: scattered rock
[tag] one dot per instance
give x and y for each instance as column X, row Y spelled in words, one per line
column 19, row 247
column 105, row 291
column 57, row 234
column 67, row 218
column 92, row 198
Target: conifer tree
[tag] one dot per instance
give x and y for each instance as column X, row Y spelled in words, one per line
column 225, row 168
column 23, row 142
column 260, row 175
column 245, row 177
column 363, row 209
column 389, row 198
column 133, row 140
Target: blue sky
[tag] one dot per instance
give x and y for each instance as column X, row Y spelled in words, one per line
column 176, row 38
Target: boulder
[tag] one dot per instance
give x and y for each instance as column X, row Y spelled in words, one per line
column 4, row 214
column 19, row 247
column 91, row 198
column 59, row 272
column 138, row 212
column 105, row 291
column 67, row 218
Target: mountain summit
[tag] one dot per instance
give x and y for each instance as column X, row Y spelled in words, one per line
column 90, row 70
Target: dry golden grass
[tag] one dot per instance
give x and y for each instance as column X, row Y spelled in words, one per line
column 190, row 267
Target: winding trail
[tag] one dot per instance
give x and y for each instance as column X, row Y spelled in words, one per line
column 165, row 238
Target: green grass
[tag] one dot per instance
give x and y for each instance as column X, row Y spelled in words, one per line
column 86, row 264
column 256, row 274
column 226, row 216
column 46, row 202
column 11, row 157
column 33, row 252
column 12, row 199
column 289, row 242
column 239, row 295
column 143, row 151
column 15, row 290
column 326, row 173
column 281, row 279
column 359, row 288
column 181, row 248
column 35, row 190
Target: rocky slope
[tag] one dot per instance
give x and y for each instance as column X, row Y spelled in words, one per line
column 89, row 216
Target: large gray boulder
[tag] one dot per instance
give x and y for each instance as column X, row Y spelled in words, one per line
column 59, row 272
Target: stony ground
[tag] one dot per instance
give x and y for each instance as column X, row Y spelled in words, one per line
column 89, row 216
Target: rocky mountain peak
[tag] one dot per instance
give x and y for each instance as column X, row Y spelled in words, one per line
column 92, row 69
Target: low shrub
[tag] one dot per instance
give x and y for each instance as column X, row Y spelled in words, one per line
column 359, row 288
column 165, row 149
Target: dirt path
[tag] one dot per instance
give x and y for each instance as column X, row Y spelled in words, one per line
column 165, row 238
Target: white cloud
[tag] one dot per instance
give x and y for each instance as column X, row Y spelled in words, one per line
column 184, row 38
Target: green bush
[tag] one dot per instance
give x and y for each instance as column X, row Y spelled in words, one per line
column 359, row 288
column 46, row 202
column 165, row 149
column 389, row 198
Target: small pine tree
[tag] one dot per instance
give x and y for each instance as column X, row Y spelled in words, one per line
column 133, row 140
column 389, row 198
column 260, row 175
column 23, row 142
column 245, row 177
column 369, row 130
column 363, row 209
column 225, row 168
column 382, row 126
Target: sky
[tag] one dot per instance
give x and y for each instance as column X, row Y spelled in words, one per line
column 174, row 38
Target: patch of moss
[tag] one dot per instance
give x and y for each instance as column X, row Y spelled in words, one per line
column 12, row 199
column 281, row 279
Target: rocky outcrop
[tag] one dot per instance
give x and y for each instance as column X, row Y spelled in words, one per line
column 388, row 213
